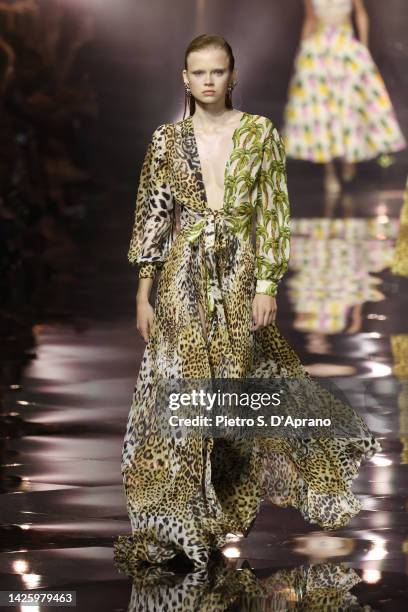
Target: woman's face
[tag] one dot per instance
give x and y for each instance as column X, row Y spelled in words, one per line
column 208, row 75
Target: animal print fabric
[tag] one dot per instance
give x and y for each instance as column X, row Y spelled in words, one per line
column 324, row 586
column 185, row 496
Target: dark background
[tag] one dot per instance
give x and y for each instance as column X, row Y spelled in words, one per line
column 83, row 84
column 140, row 52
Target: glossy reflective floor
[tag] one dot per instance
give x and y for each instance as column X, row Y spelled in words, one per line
column 67, row 379
column 69, row 349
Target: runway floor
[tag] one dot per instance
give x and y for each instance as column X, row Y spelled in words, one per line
column 68, row 375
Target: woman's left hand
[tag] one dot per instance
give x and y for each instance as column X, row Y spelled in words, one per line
column 263, row 310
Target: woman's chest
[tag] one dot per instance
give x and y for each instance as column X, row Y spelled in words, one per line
column 332, row 6
column 200, row 170
column 214, row 151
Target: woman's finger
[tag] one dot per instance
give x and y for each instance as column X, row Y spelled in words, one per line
column 254, row 316
column 265, row 317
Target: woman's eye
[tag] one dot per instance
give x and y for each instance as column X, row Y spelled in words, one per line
column 220, row 72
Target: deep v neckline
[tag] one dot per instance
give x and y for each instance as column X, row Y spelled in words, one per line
column 198, row 165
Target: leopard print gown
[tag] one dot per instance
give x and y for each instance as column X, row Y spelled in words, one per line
column 324, row 586
column 186, row 496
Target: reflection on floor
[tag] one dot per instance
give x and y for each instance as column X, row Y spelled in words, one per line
column 67, row 380
column 334, row 260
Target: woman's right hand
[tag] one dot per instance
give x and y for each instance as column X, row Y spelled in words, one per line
column 144, row 317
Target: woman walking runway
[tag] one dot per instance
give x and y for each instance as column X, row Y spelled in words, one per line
column 221, row 169
column 338, row 106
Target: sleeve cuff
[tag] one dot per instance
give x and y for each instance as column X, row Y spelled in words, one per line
column 147, row 270
column 267, row 287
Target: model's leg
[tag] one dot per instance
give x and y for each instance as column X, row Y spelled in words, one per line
column 331, row 182
column 330, row 202
column 348, row 171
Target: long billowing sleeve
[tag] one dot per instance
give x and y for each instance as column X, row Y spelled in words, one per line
column 272, row 215
column 154, row 215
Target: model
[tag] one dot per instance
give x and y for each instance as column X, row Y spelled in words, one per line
column 338, row 106
column 214, row 318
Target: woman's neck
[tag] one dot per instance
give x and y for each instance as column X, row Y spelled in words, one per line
column 212, row 115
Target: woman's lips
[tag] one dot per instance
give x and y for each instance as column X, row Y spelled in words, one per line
column 208, row 93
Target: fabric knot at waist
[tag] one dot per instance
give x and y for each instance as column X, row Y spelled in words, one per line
column 210, row 227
